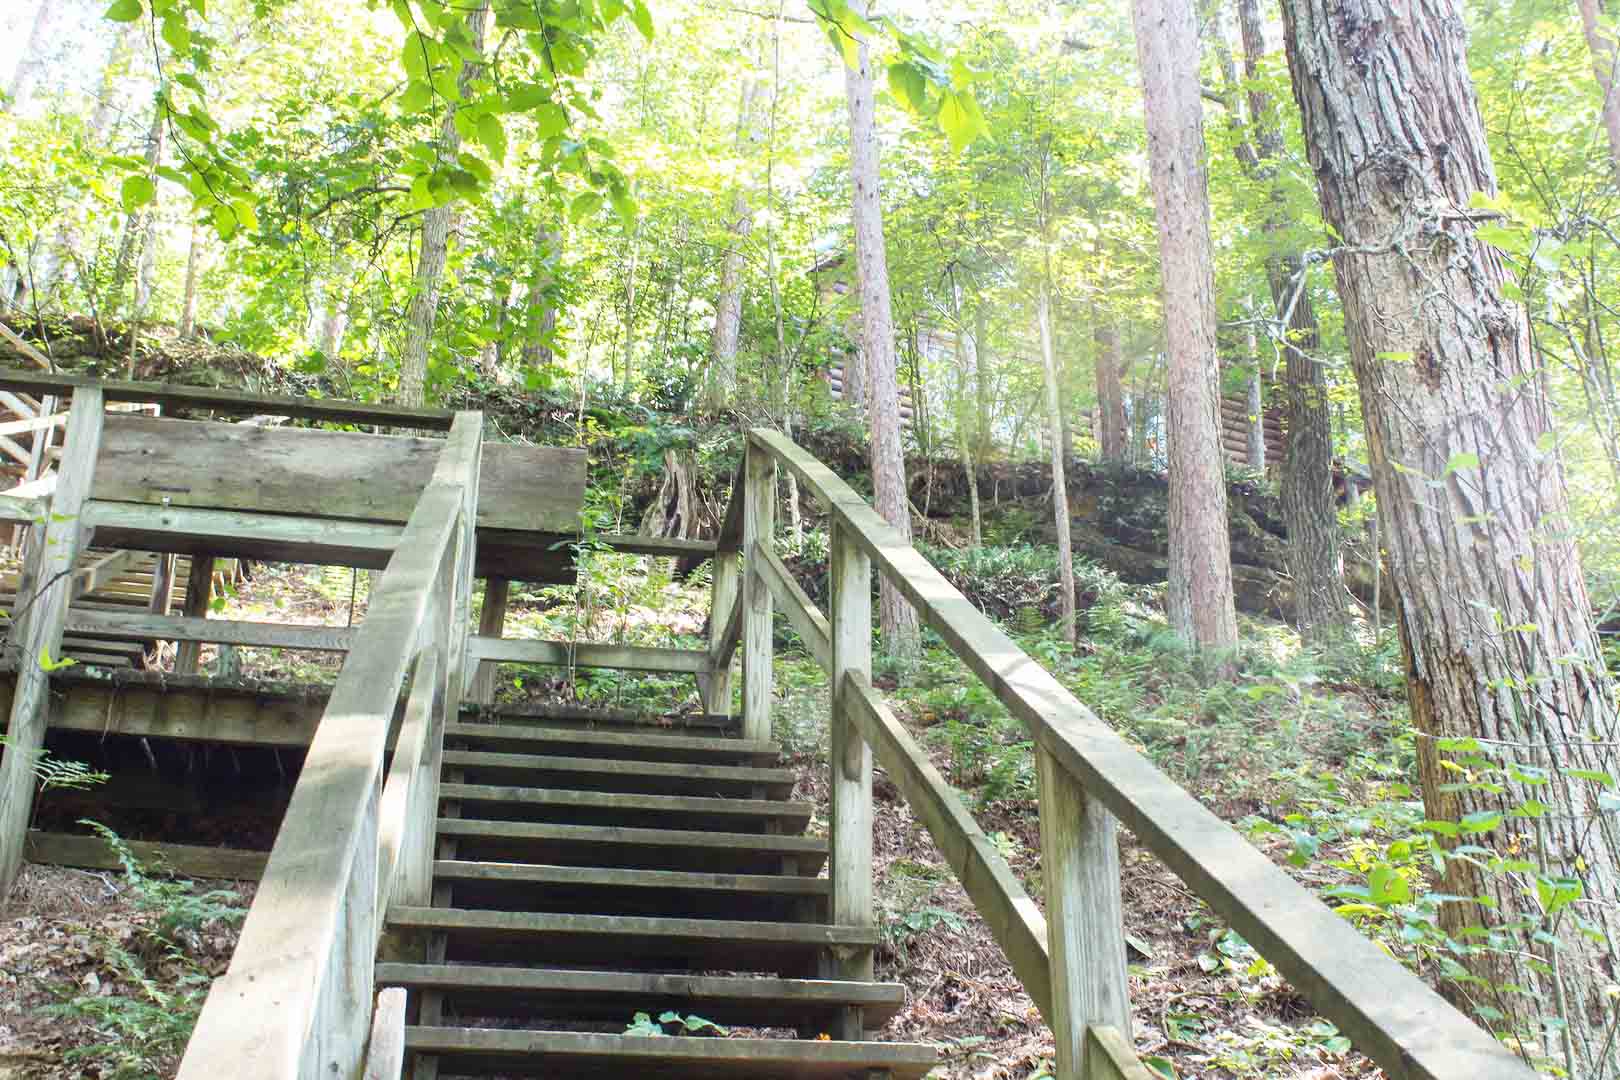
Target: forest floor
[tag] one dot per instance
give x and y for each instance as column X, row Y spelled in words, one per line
column 96, row 967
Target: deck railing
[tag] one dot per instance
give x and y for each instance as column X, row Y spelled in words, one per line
column 297, row 1000
column 1072, row 962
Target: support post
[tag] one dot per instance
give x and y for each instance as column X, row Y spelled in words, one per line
column 850, row 865
column 759, row 525
column 199, row 596
column 490, row 624
column 1084, row 916
column 715, row 687
column 41, row 441
column 43, row 596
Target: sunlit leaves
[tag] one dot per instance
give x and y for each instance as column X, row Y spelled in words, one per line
column 125, row 11
column 961, row 120
column 642, row 17
column 136, row 192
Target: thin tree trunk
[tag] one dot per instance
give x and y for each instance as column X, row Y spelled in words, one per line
column 1493, row 611
column 965, row 431
column 1111, row 434
column 899, row 620
column 722, row 381
column 1199, row 594
column 630, row 307
column 1605, row 66
column 135, row 223
column 188, row 305
column 31, row 64
column 1060, row 482
column 1310, row 510
column 434, row 249
column 981, row 384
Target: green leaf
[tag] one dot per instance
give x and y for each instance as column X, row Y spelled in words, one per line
column 550, row 119
column 961, row 120
column 418, row 95
column 1590, row 774
column 477, row 166
column 1162, row 1066
column 493, row 135
column 125, row 11
column 416, row 55
column 1388, row 887
column 176, row 32
column 224, row 222
column 623, row 204
column 136, row 192
column 1462, row 459
column 642, row 17
column 47, row 664
column 584, row 206
column 1480, row 821
column 421, row 193
column 909, row 86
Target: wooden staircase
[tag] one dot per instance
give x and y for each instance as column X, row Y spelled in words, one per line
column 585, row 874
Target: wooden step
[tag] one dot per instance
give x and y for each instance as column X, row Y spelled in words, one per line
column 581, row 716
column 613, row 845
column 614, row 891
column 608, row 774
column 569, row 1055
column 482, row 990
column 619, row 941
column 636, row 745
column 624, row 808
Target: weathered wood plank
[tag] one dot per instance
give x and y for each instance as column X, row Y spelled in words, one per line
column 32, row 354
column 32, row 423
column 103, row 571
column 1013, row 917
column 589, row 654
column 1086, row 932
column 199, row 595
column 656, row 545
column 145, row 625
column 22, row 510
column 297, row 996
column 807, row 620
column 329, row 474
column 491, row 621
column 1109, row 1056
column 232, row 402
column 272, row 537
column 758, row 645
column 185, row 860
column 385, row 1054
column 850, row 760
column 725, row 609
column 1385, row 1010
column 37, row 628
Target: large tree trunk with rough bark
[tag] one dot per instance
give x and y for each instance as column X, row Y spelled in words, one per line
column 899, row 620
column 541, row 306
column 434, row 249
column 722, row 380
column 1310, row 507
column 1060, row 487
column 1199, row 592
column 1493, row 611
column 1605, row 67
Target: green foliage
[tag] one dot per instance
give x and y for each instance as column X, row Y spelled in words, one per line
column 673, row 1023
column 162, row 984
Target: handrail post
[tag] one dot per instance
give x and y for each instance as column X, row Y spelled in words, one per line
column 1084, row 915
column 759, row 526
column 716, row 685
column 850, row 866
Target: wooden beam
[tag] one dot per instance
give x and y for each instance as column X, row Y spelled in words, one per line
column 33, row 423
column 328, row 474
column 491, row 622
column 271, row 537
column 37, row 628
column 657, row 545
column 39, row 488
column 385, row 1050
column 230, row 401
column 589, row 654
column 199, row 595
column 715, row 687
column 29, row 353
column 730, row 537
column 758, row 644
column 143, row 625
column 183, row 860
column 103, row 571
column 1109, row 1056
column 807, row 620
column 1387, row 1012
column 1014, row 919
column 849, row 761
column 14, row 450
column 18, row 405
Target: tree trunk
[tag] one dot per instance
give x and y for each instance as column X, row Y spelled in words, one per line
column 899, row 620
column 1199, row 593
column 1604, row 66
column 188, row 305
column 965, row 431
column 981, row 384
column 1493, row 612
column 538, row 349
column 1111, row 437
column 434, row 249
column 135, row 223
column 630, row 307
column 722, row 381
column 1310, row 510
column 1060, row 483
column 31, row 64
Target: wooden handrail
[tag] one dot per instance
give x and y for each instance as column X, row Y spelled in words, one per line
column 1386, row 1011
column 296, row 1001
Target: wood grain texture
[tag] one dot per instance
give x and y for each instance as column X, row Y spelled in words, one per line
column 385, row 1052
column 328, row 474
column 199, row 595
column 1086, row 929
column 1389, row 1013
column 725, row 610
column 1109, row 1056
column 141, row 624
column 36, row 632
column 187, row 860
column 491, row 622
column 759, row 526
column 589, row 654
column 1013, row 918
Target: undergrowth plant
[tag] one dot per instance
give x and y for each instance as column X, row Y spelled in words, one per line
column 159, row 979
